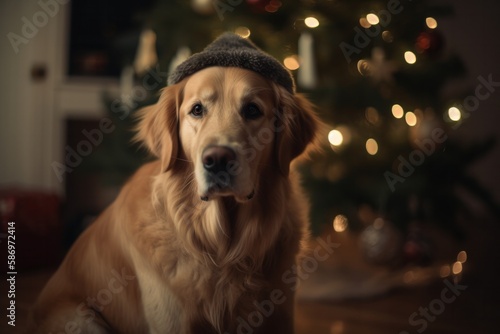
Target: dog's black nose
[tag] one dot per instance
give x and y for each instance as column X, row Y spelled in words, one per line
column 217, row 158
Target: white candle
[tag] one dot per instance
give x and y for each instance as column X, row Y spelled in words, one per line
column 146, row 56
column 306, row 77
column 127, row 84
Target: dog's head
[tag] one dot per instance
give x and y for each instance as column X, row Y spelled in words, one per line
column 232, row 126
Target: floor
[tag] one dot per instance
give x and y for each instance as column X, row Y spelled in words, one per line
column 426, row 308
column 474, row 311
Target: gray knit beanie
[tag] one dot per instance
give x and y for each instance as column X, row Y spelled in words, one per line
column 231, row 50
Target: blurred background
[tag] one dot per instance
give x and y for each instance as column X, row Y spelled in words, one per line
column 407, row 187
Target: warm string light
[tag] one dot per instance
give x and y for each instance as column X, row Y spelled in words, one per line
column 431, row 23
column 335, row 137
column 371, row 146
column 410, row 57
column 291, row 62
column 369, row 20
column 411, row 118
column 462, row 257
column 340, row 223
column 243, row 32
column 372, row 19
column 341, row 135
column 364, row 23
column 397, row 111
column 311, row 22
column 454, row 114
column 444, row 271
column 456, row 268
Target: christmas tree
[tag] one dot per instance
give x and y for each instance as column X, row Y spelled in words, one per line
column 376, row 70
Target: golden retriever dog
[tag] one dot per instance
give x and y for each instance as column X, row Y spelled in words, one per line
column 197, row 241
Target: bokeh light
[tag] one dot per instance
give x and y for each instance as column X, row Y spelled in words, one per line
column 462, row 257
column 411, row 118
column 431, row 23
column 291, row 62
column 456, row 268
column 410, row 57
column 444, row 271
column 363, row 67
column 311, row 22
column 372, row 19
column 397, row 111
column 340, row 223
column 335, row 137
column 454, row 114
column 364, row 23
column 371, row 146
column 243, row 32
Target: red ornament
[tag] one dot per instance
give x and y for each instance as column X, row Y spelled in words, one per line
column 261, row 6
column 417, row 249
column 429, row 43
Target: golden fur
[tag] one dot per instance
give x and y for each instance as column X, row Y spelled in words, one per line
column 160, row 259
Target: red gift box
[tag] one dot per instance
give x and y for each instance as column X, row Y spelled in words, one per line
column 37, row 227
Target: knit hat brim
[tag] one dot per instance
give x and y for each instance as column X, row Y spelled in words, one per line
column 231, row 50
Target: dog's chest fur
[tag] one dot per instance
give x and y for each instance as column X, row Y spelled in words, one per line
column 187, row 292
column 218, row 283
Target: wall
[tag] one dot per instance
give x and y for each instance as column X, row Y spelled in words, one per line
column 473, row 33
column 32, row 113
column 23, row 104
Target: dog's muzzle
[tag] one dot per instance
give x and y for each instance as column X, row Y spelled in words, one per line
column 220, row 165
column 218, row 160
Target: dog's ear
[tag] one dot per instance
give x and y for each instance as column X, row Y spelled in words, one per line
column 158, row 124
column 297, row 126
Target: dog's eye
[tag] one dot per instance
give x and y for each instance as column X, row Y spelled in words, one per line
column 197, row 110
column 251, row 111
